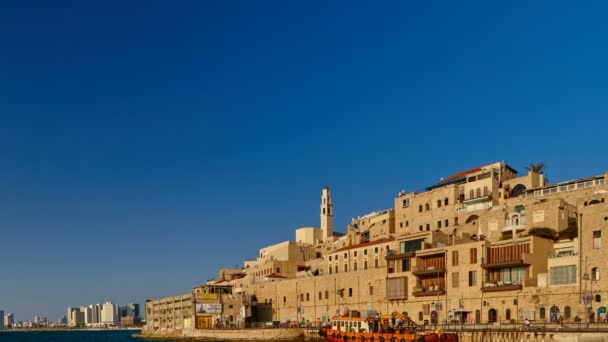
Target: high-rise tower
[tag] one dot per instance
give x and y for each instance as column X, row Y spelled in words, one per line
column 327, row 214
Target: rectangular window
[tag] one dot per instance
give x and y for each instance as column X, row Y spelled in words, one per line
column 428, row 227
column 350, row 291
column 345, row 267
column 562, row 275
column 405, row 265
column 420, row 208
column 438, row 203
column 391, row 266
column 301, row 297
column 396, row 288
column 355, row 254
column 446, row 201
column 336, row 268
column 597, row 239
column 330, row 258
column 326, row 294
column 410, row 246
column 320, row 295
column 406, row 202
column 438, row 224
column 371, row 290
column 512, row 275
column 420, row 228
column 472, row 278
column 365, row 252
column 355, row 266
column 330, row 270
column 376, row 250
column 307, row 297
column 454, row 258
column 446, row 222
column 455, row 279
column 365, row 264
column 473, row 255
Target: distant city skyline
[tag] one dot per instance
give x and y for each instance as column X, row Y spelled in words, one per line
column 153, row 143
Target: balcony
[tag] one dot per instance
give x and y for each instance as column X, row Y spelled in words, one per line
column 472, row 207
column 562, row 254
column 515, row 224
column 566, row 186
column 429, row 270
column 499, row 286
column 436, row 291
column 508, row 263
column 478, row 199
column 392, row 256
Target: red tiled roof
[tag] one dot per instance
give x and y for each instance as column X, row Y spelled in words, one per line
column 364, row 244
column 274, row 275
column 463, row 173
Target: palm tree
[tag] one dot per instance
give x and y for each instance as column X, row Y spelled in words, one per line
column 536, row 167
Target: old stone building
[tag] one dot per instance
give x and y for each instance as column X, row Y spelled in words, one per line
column 481, row 246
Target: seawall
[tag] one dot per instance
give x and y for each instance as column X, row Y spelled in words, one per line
column 229, row 334
column 528, row 336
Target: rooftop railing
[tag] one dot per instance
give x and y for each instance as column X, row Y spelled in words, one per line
column 569, row 186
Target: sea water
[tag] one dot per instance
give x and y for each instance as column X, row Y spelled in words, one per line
column 70, row 336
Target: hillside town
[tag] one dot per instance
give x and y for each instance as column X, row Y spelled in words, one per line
column 486, row 245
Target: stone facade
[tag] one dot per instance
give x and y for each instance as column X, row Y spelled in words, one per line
column 461, row 251
column 170, row 313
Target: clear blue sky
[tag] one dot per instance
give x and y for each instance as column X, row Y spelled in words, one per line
column 139, row 139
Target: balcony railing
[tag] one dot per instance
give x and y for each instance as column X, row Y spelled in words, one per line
column 569, row 186
column 563, row 254
column 478, row 199
column 499, row 286
column 394, row 256
column 506, row 263
column 428, row 270
column 473, row 207
column 515, row 223
column 428, row 292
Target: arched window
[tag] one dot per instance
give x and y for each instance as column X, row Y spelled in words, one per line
column 491, row 315
column 515, row 219
column 598, row 298
column 542, row 313
column 420, row 316
column 567, row 312
column 554, row 313
column 595, row 273
column 518, row 190
column 508, row 314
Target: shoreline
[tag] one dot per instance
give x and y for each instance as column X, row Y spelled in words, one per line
column 68, row 329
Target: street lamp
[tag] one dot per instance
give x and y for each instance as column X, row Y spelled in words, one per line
column 586, row 296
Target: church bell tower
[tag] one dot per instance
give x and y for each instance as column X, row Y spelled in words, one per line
column 327, row 215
